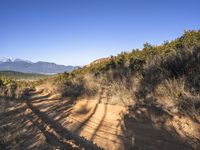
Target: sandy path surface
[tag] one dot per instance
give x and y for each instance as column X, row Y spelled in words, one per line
column 105, row 125
column 44, row 122
column 98, row 122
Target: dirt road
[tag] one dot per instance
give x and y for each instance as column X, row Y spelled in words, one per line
column 43, row 122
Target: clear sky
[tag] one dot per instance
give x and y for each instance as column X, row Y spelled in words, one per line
column 75, row 32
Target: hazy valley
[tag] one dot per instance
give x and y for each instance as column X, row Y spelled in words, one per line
column 19, row 65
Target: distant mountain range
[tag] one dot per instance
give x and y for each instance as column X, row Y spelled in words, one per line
column 10, row 64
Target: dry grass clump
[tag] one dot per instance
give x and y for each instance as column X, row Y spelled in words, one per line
column 12, row 91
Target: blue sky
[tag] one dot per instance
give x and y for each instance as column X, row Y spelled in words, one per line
column 76, row 32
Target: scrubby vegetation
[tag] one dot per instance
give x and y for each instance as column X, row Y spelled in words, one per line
column 12, row 91
column 148, row 71
column 14, row 86
column 170, row 70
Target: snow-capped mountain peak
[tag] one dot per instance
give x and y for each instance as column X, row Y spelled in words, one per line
column 10, row 59
column 6, row 59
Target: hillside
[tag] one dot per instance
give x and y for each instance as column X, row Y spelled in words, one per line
column 22, row 76
column 143, row 99
column 158, row 84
